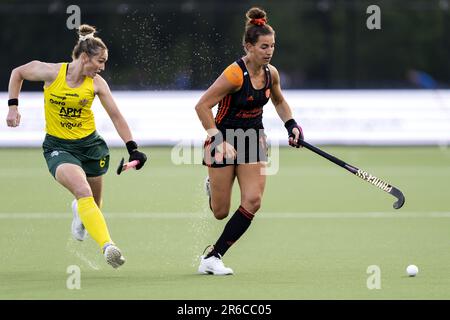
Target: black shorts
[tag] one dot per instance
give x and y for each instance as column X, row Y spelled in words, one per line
column 250, row 146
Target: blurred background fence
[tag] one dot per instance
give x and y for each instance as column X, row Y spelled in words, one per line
column 171, row 50
column 186, row 44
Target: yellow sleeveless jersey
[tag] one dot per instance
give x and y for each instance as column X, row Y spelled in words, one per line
column 68, row 113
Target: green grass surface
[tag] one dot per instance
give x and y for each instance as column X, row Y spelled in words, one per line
column 318, row 230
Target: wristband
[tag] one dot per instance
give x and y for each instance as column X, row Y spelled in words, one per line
column 131, row 146
column 13, row 102
column 290, row 124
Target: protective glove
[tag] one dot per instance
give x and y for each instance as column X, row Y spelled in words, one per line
column 135, row 154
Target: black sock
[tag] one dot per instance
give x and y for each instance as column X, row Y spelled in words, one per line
column 234, row 229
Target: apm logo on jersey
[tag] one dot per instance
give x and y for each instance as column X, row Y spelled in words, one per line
column 68, row 113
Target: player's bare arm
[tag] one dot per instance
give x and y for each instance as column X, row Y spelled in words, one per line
column 216, row 92
column 32, row 71
column 108, row 102
column 282, row 107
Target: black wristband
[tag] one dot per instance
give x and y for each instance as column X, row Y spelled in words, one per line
column 13, row 102
column 131, row 146
column 290, row 124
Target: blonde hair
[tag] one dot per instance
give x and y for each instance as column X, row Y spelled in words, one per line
column 87, row 42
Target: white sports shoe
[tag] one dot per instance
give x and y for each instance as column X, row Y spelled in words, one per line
column 78, row 230
column 213, row 265
column 207, row 187
column 113, row 255
column 208, row 191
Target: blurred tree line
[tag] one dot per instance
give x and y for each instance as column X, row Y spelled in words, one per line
column 185, row 44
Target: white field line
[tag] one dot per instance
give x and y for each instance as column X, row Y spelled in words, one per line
column 262, row 215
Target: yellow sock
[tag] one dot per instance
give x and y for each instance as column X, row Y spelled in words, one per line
column 93, row 220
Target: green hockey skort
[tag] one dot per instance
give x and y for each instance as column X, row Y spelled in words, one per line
column 90, row 153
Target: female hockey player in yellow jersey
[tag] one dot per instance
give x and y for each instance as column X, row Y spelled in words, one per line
column 76, row 155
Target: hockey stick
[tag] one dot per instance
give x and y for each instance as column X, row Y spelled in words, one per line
column 125, row 166
column 361, row 174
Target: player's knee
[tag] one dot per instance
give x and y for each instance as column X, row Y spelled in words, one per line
column 83, row 191
column 220, row 213
column 252, row 203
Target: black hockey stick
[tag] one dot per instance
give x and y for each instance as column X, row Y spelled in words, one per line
column 361, row 174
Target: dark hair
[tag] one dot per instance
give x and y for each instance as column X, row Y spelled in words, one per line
column 256, row 25
column 91, row 45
